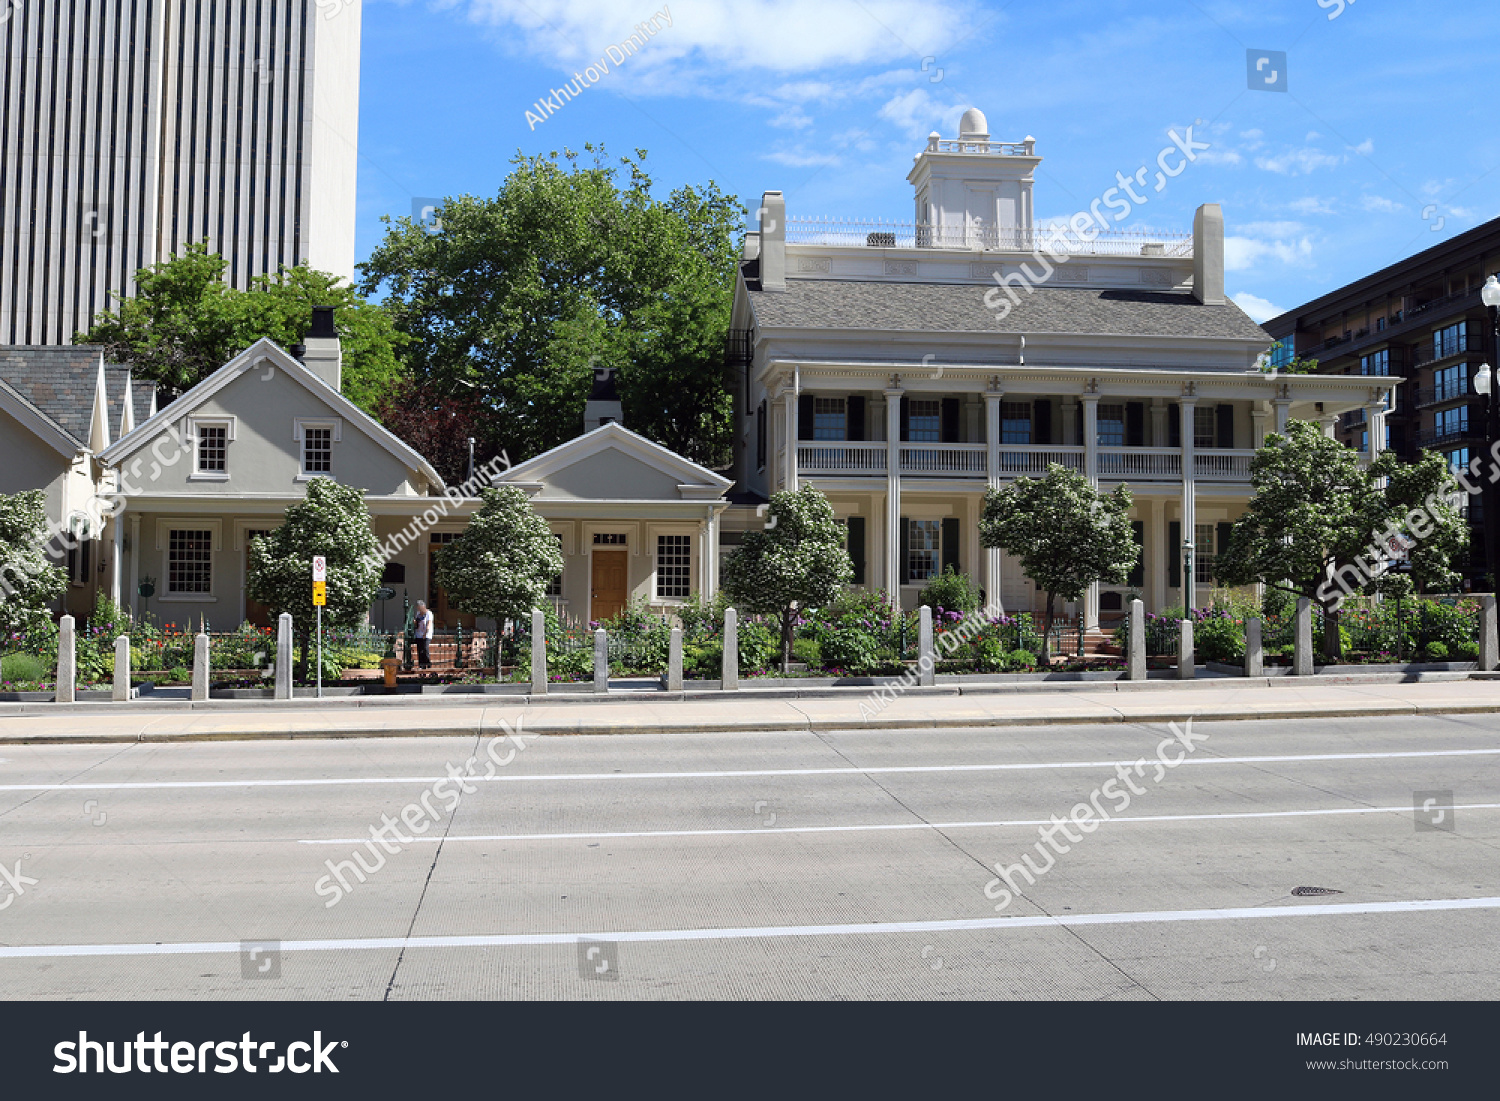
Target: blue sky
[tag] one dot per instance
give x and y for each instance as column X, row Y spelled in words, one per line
column 1386, row 140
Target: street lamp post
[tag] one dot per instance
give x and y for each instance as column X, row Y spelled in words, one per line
column 1485, row 383
column 1188, row 580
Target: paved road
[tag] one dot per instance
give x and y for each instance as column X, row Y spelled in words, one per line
column 776, row 865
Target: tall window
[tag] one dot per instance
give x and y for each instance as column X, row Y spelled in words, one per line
column 1111, row 422
column 1015, row 422
column 1376, row 363
column 1450, row 341
column 760, row 437
column 1283, row 353
column 829, row 419
column 674, row 567
column 1458, row 459
column 1450, row 383
column 924, row 421
column 1203, row 426
column 1452, row 422
column 924, row 549
column 317, row 450
column 189, row 561
column 213, row 448
column 1203, row 553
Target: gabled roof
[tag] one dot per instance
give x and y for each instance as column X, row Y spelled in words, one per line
column 960, row 307
column 252, row 358
column 616, row 435
column 58, row 382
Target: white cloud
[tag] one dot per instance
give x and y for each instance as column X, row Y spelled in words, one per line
column 801, row 158
column 1258, row 308
column 917, row 113
column 1311, row 205
column 1243, row 253
column 1365, row 147
column 1379, row 204
column 1296, row 162
column 778, row 35
column 791, row 119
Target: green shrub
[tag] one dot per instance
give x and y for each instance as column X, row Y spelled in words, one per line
column 1436, row 651
column 23, row 667
column 703, row 659
column 851, row 649
column 759, row 645
column 179, row 675
column 1219, row 638
column 951, row 591
column 1021, row 660
column 808, row 651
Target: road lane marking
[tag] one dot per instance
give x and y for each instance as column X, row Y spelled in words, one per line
column 875, row 928
column 881, row 770
column 768, row 831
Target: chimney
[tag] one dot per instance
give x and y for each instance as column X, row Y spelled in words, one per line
column 772, row 242
column 323, row 354
column 1208, row 255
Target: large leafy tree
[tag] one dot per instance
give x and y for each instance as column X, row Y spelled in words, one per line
column 1316, row 512
column 522, row 295
column 502, row 563
column 28, row 581
column 185, row 322
column 797, row 561
column 332, row 521
column 1065, row 533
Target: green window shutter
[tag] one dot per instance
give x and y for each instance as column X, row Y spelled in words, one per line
column 950, row 543
column 1138, row 572
column 1041, row 421
column 1226, row 528
column 905, row 419
column 1174, row 425
column 805, row 417
column 857, row 547
column 1135, row 424
column 1174, row 553
column 951, row 410
column 854, row 411
column 1225, row 428
column 905, row 563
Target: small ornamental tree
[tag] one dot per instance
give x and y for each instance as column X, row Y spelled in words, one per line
column 1317, row 516
column 797, row 561
column 28, row 581
column 1065, row 533
column 501, row 565
column 331, row 521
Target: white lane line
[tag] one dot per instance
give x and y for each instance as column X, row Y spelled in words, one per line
column 554, row 777
column 876, row 827
column 874, row 928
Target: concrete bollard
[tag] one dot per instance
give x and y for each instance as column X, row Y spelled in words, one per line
column 601, row 660
column 538, row 653
column 1302, row 651
column 1186, row 658
column 67, row 661
column 730, row 678
column 1255, row 654
column 284, row 656
column 200, row 667
column 1489, row 646
column 1137, row 658
column 674, row 661
column 121, row 693
column 926, row 659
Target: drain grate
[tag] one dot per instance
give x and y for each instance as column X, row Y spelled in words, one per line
column 1304, row 892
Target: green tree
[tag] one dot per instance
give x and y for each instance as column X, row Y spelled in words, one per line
column 798, row 561
column 1316, row 514
column 331, row 521
column 28, row 581
column 1065, row 533
column 185, row 322
column 502, row 563
column 566, row 270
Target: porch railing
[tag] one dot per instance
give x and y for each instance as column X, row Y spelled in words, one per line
column 1140, row 462
column 841, row 458
column 949, row 458
column 1223, row 466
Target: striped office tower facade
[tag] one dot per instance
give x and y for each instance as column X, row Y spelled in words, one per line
column 131, row 127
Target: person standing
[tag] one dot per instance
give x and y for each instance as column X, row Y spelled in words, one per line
column 422, row 633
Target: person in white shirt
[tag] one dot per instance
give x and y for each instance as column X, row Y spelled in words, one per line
column 421, row 631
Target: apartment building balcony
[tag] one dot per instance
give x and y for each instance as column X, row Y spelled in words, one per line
column 1440, row 437
column 1446, row 392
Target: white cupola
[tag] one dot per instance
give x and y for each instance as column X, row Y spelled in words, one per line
column 975, row 192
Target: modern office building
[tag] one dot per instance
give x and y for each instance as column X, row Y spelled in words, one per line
column 132, row 127
column 1420, row 320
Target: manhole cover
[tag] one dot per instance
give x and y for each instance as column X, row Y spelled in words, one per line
column 1303, row 892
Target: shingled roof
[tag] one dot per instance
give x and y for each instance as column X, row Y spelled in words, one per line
column 959, row 307
column 59, row 382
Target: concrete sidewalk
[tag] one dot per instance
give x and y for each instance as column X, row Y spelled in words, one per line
column 839, row 709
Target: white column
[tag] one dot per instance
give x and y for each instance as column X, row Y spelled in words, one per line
column 713, row 555
column 1258, row 427
column 1326, row 423
column 789, row 400
column 116, row 559
column 135, row 565
column 1189, row 501
column 1090, row 610
column 1375, row 414
column 1283, row 413
column 993, row 556
column 893, row 495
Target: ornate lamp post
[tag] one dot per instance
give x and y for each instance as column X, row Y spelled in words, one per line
column 1485, row 384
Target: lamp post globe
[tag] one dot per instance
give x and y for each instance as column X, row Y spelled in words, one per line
column 1483, row 380
column 1491, row 292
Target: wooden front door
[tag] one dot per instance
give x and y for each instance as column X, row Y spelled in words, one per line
column 610, row 584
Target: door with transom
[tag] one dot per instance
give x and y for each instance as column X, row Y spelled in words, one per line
column 610, row 586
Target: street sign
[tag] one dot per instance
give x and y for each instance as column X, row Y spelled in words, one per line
column 385, row 593
column 320, row 568
column 320, row 593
